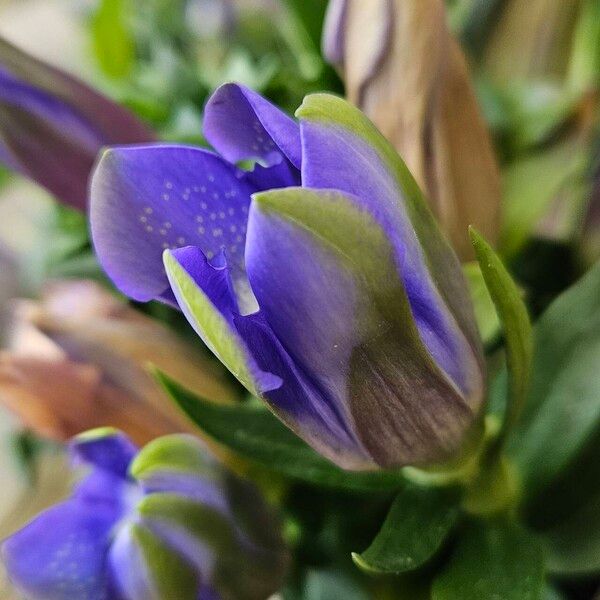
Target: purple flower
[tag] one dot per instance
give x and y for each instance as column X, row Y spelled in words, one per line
column 52, row 126
column 319, row 278
column 162, row 523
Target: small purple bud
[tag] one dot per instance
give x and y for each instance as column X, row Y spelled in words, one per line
column 52, row 126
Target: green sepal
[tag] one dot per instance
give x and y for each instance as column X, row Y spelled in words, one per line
column 485, row 311
column 492, row 560
column 415, row 528
column 256, row 434
column 516, row 326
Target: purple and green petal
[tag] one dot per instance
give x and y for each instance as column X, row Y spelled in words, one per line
column 177, row 527
column 62, row 554
column 343, row 150
column 144, row 566
column 240, row 124
column 191, row 530
column 351, row 329
column 179, row 463
column 201, row 300
column 147, row 199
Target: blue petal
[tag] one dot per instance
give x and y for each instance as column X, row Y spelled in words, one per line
column 108, row 450
column 240, row 124
column 61, row 555
column 281, row 174
column 300, row 402
column 102, row 487
column 52, row 126
column 147, row 199
column 208, row 593
column 45, row 106
column 213, row 279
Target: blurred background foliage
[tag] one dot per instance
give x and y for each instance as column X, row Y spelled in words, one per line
column 536, row 68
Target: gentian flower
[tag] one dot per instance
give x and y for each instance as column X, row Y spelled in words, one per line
column 162, row 523
column 319, row 278
column 52, row 126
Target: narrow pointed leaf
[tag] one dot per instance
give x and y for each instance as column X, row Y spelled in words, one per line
column 259, row 436
column 416, row 527
column 517, row 328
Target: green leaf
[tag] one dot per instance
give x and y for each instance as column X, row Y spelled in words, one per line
column 415, row 528
column 537, row 111
column 113, row 44
column 491, row 561
column 562, row 412
column 516, row 325
column 485, row 311
column 259, row 436
column 311, row 13
column 574, row 545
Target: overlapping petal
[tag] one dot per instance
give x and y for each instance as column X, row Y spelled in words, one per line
column 166, row 197
column 299, row 401
column 352, row 319
column 202, row 295
column 324, row 274
column 179, row 463
column 252, row 352
column 343, row 150
column 144, row 566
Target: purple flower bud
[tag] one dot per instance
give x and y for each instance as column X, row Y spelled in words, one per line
column 162, row 523
column 320, row 278
column 52, row 126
